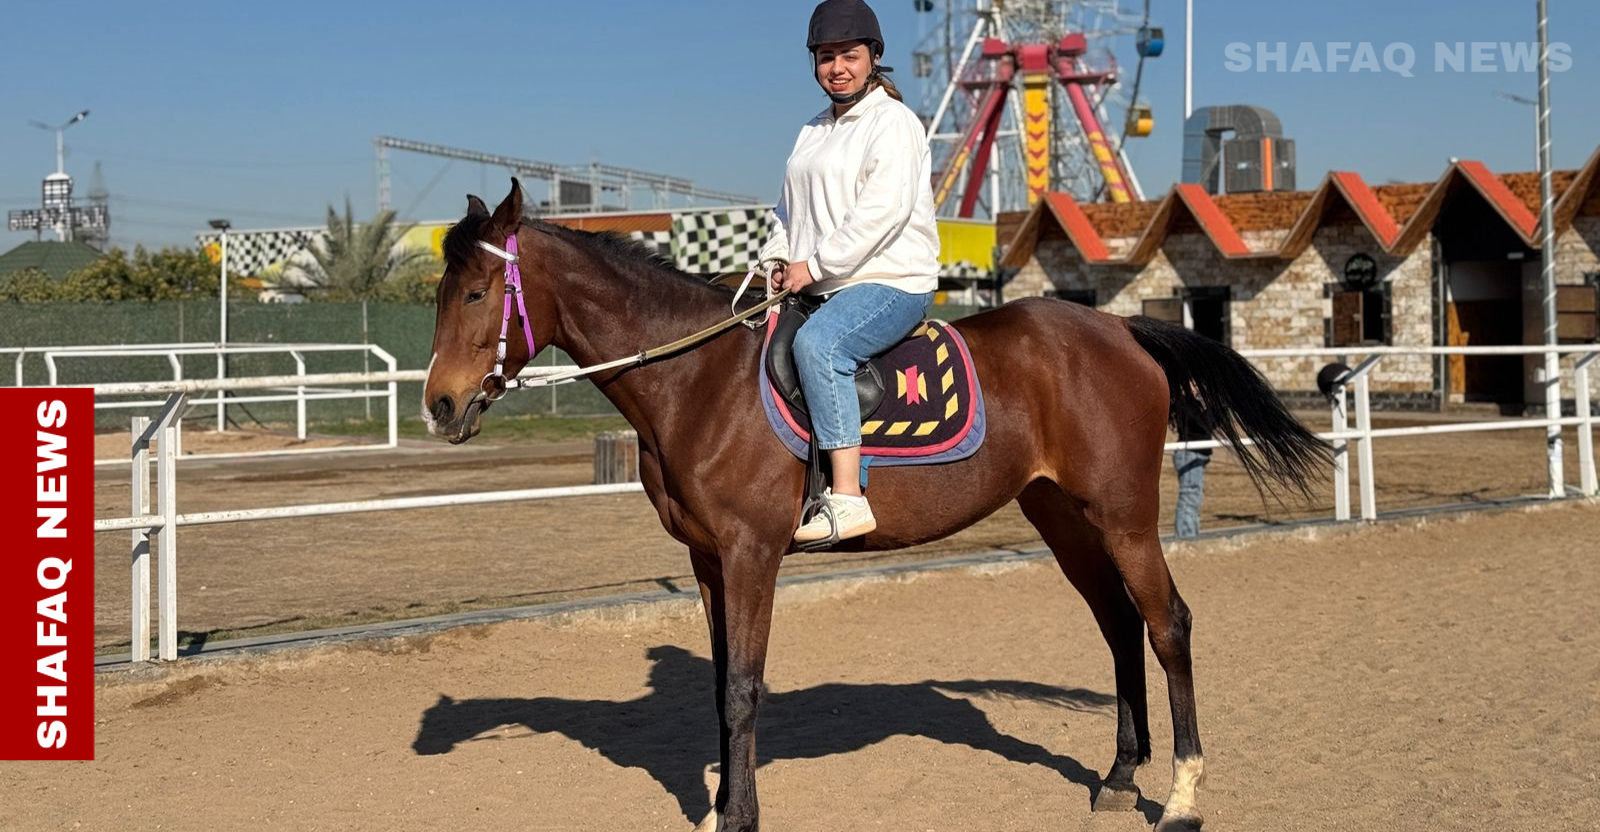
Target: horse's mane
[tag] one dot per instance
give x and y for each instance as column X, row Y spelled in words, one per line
column 620, row 251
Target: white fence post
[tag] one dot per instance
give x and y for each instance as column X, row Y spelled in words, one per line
column 1341, row 454
column 1580, row 382
column 222, row 395
column 394, row 394
column 300, row 397
column 1369, row 498
column 167, row 499
column 139, row 600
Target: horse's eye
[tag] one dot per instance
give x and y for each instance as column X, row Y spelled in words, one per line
column 474, row 297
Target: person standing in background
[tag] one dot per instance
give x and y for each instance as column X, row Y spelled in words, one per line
column 1193, row 426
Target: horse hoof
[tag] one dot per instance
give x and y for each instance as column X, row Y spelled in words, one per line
column 1112, row 799
column 1179, row 823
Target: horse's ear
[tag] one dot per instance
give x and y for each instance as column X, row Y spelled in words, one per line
column 475, row 207
column 508, row 216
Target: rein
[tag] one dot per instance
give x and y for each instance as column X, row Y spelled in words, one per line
column 495, row 385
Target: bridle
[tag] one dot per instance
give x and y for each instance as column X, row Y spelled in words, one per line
column 495, row 385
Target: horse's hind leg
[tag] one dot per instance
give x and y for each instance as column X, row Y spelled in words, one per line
column 1138, row 558
column 1082, row 558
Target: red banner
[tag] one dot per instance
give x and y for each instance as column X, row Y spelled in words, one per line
column 47, row 574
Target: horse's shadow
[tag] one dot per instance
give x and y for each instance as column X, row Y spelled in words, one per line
column 671, row 732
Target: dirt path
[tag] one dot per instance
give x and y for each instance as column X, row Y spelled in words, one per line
column 1417, row 676
column 257, row 578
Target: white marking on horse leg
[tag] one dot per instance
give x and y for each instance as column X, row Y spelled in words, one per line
column 713, row 777
column 710, row 823
column 1187, row 775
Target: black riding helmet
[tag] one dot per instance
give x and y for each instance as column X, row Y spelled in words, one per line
column 836, row 21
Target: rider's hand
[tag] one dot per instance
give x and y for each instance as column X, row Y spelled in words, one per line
column 796, row 276
column 775, row 277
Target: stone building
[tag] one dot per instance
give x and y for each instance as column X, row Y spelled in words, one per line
column 1454, row 261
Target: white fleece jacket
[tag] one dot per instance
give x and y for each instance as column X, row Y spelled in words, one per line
column 857, row 202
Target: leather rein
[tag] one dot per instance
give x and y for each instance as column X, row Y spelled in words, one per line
column 495, row 385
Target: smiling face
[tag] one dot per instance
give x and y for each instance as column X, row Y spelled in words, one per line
column 843, row 68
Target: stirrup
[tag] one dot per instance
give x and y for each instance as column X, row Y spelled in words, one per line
column 808, row 512
column 816, row 499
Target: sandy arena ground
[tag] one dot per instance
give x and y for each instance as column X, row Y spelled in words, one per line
column 259, row 578
column 1416, row 675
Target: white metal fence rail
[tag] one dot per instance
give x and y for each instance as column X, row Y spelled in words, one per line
column 295, row 390
column 159, row 527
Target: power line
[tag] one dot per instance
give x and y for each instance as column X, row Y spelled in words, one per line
column 213, row 209
column 218, row 163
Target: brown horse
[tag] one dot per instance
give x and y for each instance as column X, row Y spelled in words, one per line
column 1078, row 405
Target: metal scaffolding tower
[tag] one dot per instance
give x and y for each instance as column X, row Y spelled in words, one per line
column 571, row 188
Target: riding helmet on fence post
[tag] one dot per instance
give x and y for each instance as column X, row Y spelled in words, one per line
column 837, row 21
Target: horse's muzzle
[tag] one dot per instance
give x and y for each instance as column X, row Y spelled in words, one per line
column 445, row 422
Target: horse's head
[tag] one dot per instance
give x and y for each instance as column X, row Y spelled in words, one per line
column 462, row 381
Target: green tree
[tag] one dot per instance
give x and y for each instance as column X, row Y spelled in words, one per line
column 172, row 273
column 415, row 282
column 168, row 274
column 109, row 278
column 353, row 260
column 28, row 286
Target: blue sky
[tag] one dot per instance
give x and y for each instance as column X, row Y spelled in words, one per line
column 222, row 109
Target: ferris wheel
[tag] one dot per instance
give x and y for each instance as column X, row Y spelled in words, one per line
column 1025, row 96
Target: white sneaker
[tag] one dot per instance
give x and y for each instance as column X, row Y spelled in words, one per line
column 853, row 515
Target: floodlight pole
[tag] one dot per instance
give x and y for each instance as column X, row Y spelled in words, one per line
column 1552, row 360
column 1188, row 61
column 61, row 143
column 222, row 326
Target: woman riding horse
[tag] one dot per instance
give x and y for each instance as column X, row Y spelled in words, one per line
column 855, row 225
column 1077, row 406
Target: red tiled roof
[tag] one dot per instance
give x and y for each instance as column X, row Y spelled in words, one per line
column 1366, row 205
column 1398, row 215
column 1211, row 220
column 1582, row 196
column 1500, row 197
column 1120, row 219
column 1077, row 227
column 1402, row 200
column 1526, row 186
column 1263, row 211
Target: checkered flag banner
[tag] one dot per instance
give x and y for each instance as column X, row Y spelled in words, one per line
column 718, row 241
column 252, row 252
column 962, row 270
column 659, row 242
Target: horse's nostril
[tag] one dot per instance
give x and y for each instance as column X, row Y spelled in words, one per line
column 443, row 410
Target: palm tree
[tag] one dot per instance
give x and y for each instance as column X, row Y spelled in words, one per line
column 354, row 260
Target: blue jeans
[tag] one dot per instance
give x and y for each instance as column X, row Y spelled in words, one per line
column 857, row 323
column 1191, row 467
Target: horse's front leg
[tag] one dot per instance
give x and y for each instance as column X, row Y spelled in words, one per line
column 739, row 609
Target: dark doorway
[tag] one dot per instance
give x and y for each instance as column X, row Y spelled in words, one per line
column 1207, row 311
column 1485, row 309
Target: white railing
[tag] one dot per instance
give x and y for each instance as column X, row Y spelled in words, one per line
column 295, row 390
column 159, row 528
column 165, row 431
column 1363, row 435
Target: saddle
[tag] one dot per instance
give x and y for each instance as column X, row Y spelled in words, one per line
column 932, row 414
column 797, row 309
column 920, row 401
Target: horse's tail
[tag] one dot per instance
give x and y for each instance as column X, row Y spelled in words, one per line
column 1207, row 377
